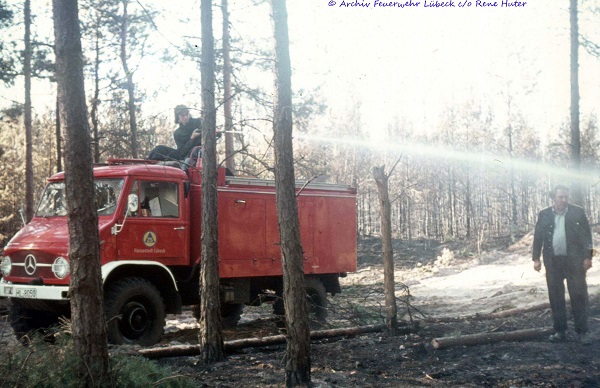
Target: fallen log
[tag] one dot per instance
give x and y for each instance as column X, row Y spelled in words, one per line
column 490, row 316
column 489, row 338
column 231, row 346
column 512, row 312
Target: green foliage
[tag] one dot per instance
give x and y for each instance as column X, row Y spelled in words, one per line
column 7, row 63
column 43, row 364
column 129, row 371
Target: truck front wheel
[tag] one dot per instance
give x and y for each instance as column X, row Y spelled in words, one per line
column 135, row 312
column 25, row 322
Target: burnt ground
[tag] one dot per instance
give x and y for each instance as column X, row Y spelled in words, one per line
column 437, row 287
column 409, row 360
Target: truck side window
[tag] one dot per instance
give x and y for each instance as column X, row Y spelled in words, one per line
column 159, row 199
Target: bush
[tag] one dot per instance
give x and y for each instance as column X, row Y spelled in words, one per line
column 136, row 371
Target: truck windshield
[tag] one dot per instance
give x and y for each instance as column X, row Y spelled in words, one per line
column 53, row 202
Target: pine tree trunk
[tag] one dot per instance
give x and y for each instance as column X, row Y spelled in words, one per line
column 210, row 335
column 59, row 141
column 87, row 307
column 28, row 121
column 96, row 98
column 129, row 83
column 576, row 192
column 381, row 179
column 297, row 365
column 227, row 103
column 468, row 205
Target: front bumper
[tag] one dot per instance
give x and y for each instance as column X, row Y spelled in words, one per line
column 28, row 291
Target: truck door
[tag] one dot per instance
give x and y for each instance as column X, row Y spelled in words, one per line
column 158, row 230
column 242, row 236
column 306, row 218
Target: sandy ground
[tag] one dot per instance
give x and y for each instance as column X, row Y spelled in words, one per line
column 496, row 281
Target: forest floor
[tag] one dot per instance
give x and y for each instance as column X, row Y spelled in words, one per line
column 440, row 289
column 435, row 282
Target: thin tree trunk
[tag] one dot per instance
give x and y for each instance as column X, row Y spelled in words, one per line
column 87, row 306
column 227, row 113
column 96, row 98
column 513, row 192
column 381, row 179
column 130, row 84
column 28, row 120
column 297, row 364
column 58, row 134
column 468, row 205
column 408, row 217
column 576, row 192
column 210, row 335
column 368, row 228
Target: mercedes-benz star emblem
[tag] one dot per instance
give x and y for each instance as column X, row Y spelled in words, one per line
column 30, row 264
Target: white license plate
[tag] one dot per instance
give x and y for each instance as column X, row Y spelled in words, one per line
column 30, row 293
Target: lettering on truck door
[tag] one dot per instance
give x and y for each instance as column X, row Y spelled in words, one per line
column 158, row 229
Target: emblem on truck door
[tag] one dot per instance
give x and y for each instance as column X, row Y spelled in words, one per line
column 30, row 264
column 149, row 239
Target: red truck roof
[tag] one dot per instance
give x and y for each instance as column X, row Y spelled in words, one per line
column 140, row 169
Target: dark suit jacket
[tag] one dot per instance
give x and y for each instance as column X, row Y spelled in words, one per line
column 577, row 230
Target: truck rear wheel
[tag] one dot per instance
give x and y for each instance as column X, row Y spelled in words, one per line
column 27, row 322
column 230, row 313
column 135, row 312
column 278, row 306
column 317, row 299
column 316, row 296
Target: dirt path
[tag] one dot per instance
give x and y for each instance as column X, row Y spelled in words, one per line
column 498, row 281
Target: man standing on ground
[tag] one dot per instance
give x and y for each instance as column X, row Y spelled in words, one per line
column 563, row 233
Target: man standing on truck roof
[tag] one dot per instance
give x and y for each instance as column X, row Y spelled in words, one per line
column 187, row 136
column 564, row 234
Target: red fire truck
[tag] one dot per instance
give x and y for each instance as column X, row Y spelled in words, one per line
column 149, row 222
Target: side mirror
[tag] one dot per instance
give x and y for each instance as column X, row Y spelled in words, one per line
column 132, row 207
column 132, row 203
column 22, row 213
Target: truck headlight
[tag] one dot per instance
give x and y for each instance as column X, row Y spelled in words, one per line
column 60, row 267
column 6, row 265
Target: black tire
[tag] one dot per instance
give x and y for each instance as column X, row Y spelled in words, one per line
column 230, row 313
column 196, row 311
column 27, row 323
column 316, row 296
column 278, row 305
column 135, row 312
column 317, row 299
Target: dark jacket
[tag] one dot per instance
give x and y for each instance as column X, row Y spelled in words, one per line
column 183, row 136
column 577, row 230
